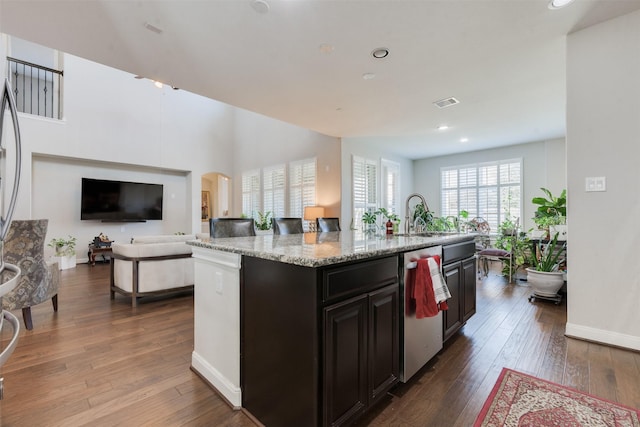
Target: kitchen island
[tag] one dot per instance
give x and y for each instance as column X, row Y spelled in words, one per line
column 301, row 329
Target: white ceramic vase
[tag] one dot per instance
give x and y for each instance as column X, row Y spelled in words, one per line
column 545, row 283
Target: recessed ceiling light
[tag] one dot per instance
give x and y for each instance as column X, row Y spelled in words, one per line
column 464, row 139
column 557, row 4
column 326, row 48
column 443, row 127
column 260, row 6
column 379, row 53
column 157, row 84
column 368, row 76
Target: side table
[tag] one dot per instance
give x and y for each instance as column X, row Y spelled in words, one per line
column 94, row 250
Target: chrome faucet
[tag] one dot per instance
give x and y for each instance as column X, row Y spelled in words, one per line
column 407, row 225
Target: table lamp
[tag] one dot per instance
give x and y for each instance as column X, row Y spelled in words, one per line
column 311, row 213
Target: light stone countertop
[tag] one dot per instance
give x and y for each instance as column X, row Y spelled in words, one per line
column 322, row 249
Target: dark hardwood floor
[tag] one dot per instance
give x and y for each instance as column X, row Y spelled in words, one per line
column 101, row 363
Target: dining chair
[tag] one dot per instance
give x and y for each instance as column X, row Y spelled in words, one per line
column 287, row 225
column 327, row 224
column 490, row 253
column 231, row 227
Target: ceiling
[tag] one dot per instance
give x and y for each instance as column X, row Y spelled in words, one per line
column 503, row 60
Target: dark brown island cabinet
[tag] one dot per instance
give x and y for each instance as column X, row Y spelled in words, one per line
column 319, row 345
column 459, row 270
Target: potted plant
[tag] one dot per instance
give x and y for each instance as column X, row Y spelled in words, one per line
column 551, row 212
column 369, row 218
column 517, row 243
column 263, row 223
column 545, row 275
column 65, row 251
column 463, row 222
column 390, row 216
column 422, row 217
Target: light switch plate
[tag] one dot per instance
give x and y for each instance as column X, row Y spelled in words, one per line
column 595, row 183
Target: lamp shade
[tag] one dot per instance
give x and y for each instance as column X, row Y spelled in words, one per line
column 313, row 212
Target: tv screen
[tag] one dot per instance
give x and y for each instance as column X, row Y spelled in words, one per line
column 120, row 201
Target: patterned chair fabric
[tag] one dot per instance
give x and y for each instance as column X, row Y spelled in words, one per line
column 24, row 247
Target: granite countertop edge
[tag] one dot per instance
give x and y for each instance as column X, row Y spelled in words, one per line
column 235, row 245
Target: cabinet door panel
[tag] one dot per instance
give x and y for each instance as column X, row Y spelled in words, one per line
column 345, row 361
column 452, row 318
column 383, row 341
column 469, row 275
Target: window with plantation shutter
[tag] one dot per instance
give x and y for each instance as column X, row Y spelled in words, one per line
column 250, row 193
column 364, row 187
column 302, row 186
column 390, row 186
column 273, row 190
column 490, row 190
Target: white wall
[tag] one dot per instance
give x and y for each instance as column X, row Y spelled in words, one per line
column 118, row 127
column 544, row 165
column 360, row 147
column 260, row 141
column 603, row 127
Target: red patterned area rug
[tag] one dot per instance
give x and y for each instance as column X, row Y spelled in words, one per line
column 520, row 400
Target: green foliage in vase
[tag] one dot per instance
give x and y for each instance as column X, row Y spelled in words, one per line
column 547, row 256
column 64, row 247
column 551, row 210
column 264, row 221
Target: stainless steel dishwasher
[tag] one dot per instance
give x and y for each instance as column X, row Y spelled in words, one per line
column 422, row 338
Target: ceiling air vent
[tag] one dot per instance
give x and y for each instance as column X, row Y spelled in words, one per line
column 447, row 102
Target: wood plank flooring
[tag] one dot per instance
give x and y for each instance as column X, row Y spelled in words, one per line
column 101, row 363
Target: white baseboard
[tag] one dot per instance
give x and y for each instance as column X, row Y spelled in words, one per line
column 226, row 388
column 602, row 336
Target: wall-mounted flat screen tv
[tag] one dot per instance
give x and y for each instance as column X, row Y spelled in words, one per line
column 120, row 201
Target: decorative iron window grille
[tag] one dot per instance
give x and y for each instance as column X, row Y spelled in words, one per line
column 36, row 88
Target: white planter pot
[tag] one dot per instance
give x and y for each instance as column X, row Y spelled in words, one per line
column 263, row 232
column 65, row 262
column 561, row 230
column 543, row 283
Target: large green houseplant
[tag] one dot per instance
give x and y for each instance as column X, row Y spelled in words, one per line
column 551, row 211
column 515, row 242
column 544, row 275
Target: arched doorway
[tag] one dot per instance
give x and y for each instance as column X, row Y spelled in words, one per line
column 216, row 196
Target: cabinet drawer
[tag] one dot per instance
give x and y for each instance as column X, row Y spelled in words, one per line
column 458, row 251
column 347, row 280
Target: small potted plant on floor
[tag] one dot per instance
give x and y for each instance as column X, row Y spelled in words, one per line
column 65, row 251
column 544, row 275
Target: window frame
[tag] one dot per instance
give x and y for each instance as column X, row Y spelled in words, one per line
column 370, row 177
column 473, row 185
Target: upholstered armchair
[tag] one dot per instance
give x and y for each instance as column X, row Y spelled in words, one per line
column 39, row 281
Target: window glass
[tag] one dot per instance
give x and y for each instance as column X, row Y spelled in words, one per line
column 490, row 190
